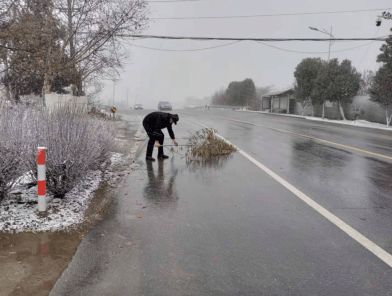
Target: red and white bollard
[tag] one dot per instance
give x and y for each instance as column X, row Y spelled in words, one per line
column 41, row 170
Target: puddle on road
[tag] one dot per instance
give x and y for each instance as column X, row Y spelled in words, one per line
column 31, row 263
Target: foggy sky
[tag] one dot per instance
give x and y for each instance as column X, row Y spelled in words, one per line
column 149, row 76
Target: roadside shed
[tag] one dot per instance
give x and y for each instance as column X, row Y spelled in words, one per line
column 279, row 101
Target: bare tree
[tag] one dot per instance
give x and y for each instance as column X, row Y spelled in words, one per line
column 46, row 45
column 366, row 82
column 94, row 35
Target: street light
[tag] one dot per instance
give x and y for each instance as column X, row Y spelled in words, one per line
column 327, row 33
column 385, row 15
column 329, row 51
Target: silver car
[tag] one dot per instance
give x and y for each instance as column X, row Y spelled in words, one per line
column 164, row 106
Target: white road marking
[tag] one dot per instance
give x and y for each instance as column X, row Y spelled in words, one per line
column 350, row 231
column 347, row 147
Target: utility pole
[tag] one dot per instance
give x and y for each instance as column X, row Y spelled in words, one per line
column 114, row 90
column 330, row 44
column 329, row 51
column 327, row 33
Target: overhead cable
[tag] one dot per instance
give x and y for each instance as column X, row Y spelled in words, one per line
column 383, row 38
column 171, row 1
column 270, row 14
column 260, row 43
column 315, row 52
column 183, row 50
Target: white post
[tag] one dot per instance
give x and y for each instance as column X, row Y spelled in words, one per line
column 288, row 104
column 41, row 186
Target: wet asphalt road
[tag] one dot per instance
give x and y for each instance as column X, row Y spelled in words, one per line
column 227, row 228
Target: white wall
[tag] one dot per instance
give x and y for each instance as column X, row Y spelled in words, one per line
column 54, row 100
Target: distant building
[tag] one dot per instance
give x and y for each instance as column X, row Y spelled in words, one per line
column 282, row 101
column 362, row 107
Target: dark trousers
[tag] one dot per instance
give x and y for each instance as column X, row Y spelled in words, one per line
column 154, row 135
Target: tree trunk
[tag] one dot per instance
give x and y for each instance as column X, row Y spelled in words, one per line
column 323, row 114
column 6, row 71
column 4, row 57
column 388, row 117
column 75, row 84
column 341, row 110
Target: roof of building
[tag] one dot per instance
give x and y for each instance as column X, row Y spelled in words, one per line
column 278, row 93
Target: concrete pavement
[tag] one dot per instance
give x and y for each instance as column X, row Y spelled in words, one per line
column 353, row 185
column 227, row 228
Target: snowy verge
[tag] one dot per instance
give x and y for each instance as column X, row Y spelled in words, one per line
column 359, row 123
column 21, row 214
column 18, row 212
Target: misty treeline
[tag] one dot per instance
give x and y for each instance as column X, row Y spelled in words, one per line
column 47, row 45
column 240, row 93
column 318, row 81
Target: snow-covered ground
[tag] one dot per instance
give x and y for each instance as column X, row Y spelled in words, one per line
column 359, row 123
column 19, row 213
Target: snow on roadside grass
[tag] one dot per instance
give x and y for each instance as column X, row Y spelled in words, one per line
column 19, row 213
column 359, row 122
column 140, row 134
column 25, row 179
column 116, row 159
column 22, row 215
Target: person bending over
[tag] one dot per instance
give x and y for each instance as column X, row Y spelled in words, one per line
column 153, row 123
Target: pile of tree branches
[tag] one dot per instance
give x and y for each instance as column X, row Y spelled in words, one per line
column 206, row 145
column 48, row 45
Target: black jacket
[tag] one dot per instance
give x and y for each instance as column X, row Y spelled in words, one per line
column 157, row 121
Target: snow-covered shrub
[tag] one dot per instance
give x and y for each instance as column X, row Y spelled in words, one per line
column 76, row 142
column 13, row 145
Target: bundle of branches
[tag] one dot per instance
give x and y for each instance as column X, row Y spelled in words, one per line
column 206, row 145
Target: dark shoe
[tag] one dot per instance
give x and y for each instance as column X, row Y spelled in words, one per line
column 163, row 157
column 149, row 158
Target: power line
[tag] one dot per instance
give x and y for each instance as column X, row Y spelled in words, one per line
column 184, row 50
column 315, row 52
column 261, row 43
column 250, row 39
column 267, row 15
column 171, row 1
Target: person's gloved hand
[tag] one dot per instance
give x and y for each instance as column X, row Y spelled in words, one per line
column 175, row 143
